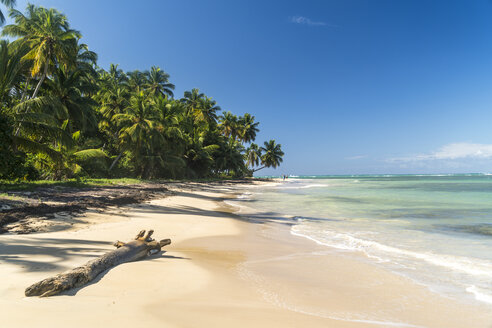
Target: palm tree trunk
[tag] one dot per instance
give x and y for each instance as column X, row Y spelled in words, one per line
column 115, row 161
column 41, row 80
column 259, row 169
column 24, row 93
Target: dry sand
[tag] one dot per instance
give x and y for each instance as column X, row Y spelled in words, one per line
column 219, row 272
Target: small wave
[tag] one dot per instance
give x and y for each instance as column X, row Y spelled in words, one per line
column 479, row 294
column 303, row 186
column 245, row 195
column 474, row 267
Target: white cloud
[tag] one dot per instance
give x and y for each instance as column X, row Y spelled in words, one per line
column 453, row 151
column 356, row 157
column 305, row 21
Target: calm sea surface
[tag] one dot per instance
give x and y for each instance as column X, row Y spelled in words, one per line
column 436, row 230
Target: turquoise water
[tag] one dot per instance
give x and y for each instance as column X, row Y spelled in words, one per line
column 436, row 230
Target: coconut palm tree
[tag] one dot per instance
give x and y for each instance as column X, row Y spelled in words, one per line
column 139, row 129
column 114, row 76
column 71, row 89
column 207, row 111
column 158, row 82
column 192, row 100
column 137, row 80
column 229, row 157
column 253, row 155
column 248, row 128
column 229, row 125
column 271, row 155
column 50, row 40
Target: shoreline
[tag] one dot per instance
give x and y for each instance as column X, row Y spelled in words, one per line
column 347, row 288
column 219, row 271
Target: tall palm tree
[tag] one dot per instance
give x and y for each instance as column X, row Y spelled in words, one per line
column 272, row 155
column 158, row 82
column 229, row 124
column 253, row 155
column 192, row 100
column 50, row 40
column 71, row 89
column 207, row 111
column 140, row 129
column 115, row 76
column 248, row 128
column 137, row 80
column 86, row 60
column 230, row 158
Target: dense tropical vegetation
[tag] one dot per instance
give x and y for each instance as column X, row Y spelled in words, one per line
column 62, row 116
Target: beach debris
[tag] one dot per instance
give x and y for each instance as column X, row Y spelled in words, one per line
column 142, row 246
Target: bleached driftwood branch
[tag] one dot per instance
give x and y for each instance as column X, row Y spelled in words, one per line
column 137, row 249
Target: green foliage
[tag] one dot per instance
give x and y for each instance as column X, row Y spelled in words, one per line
column 63, row 117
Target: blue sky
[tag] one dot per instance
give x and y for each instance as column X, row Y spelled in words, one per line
column 346, row 86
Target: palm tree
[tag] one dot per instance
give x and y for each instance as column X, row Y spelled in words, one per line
column 115, row 76
column 253, row 155
column 230, row 158
column 158, row 82
column 272, row 155
column 9, row 4
column 86, row 60
column 249, row 128
column 50, row 40
column 11, row 68
column 207, row 111
column 137, row 80
column 192, row 100
column 139, row 132
column 229, row 124
column 71, row 89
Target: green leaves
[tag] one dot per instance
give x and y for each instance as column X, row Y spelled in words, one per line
column 90, row 154
column 70, row 117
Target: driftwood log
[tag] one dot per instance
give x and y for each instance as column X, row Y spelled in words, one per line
column 137, row 249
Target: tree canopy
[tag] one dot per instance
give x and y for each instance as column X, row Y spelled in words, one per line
column 62, row 116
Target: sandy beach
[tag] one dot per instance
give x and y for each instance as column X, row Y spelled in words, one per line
column 219, row 271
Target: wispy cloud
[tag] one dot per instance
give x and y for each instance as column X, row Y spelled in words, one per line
column 453, row 151
column 305, row 21
column 353, row 158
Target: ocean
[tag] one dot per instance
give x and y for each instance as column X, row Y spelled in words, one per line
column 433, row 229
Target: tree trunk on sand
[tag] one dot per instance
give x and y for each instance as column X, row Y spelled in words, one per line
column 137, row 249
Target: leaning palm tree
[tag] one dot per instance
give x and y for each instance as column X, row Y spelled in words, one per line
column 272, row 155
column 50, row 40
